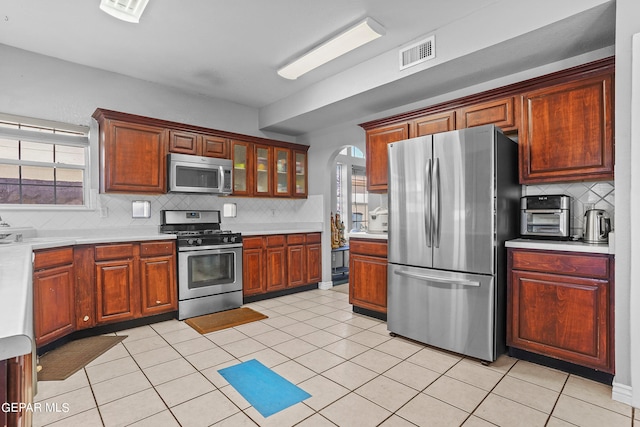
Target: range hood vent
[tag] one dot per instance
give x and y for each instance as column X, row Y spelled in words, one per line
column 418, row 52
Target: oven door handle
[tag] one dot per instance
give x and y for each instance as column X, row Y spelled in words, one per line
column 209, row 248
column 543, row 211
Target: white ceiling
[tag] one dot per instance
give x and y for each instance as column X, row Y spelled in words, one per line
column 230, row 50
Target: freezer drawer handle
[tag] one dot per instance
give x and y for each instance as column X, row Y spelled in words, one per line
column 437, row 279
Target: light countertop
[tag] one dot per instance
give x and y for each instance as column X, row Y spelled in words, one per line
column 16, row 273
column 367, row 235
column 563, row 245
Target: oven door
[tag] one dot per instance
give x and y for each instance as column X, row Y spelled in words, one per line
column 544, row 223
column 209, row 271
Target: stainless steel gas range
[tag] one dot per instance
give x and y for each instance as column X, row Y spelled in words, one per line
column 209, row 262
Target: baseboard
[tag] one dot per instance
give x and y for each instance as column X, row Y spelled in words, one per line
column 622, row 393
column 325, row 285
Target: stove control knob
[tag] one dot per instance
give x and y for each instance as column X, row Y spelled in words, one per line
column 198, row 241
column 190, row 241
column 225, row 239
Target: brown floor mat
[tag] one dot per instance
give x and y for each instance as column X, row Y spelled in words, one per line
column 64, row 361
column 224, row 319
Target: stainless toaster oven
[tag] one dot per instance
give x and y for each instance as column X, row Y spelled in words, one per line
column 545, row 216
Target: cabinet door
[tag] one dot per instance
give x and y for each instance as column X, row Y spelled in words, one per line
column 314, row 262
column 83, row 263
column 558, row 316
column 215, row 146
column 368, row 282
column 184, row 142
column 433, row 123
column 377, row 141
column 282, row 177
column 253, row 272
column 242, row 168
column 158, row 286
column 300, row 179
column 276, row 268
column 116, row 291
column 296, row 265
column 263, row 173
column 54, row 303
column 567, row 132
column 501, row 112
column 133, row 156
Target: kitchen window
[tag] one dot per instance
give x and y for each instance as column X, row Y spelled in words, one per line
column 351, row 188
column 42, row 163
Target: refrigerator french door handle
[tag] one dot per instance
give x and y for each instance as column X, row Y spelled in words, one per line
column 427, row 203
column 436, row 204
column 427, row 277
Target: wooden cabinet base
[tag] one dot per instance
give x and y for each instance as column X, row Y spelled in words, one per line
column 560, row 305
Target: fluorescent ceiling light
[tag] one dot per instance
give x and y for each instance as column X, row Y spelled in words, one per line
column 126, row 10
column 350, row 39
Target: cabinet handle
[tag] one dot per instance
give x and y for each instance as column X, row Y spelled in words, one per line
column 85, row 318
column 158, row 302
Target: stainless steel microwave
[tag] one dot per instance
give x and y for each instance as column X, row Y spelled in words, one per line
column 195, row 174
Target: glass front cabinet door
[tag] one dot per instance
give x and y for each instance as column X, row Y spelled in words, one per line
column 300, row 174
column 282, row 180
column 241, row 168
column 263, row 171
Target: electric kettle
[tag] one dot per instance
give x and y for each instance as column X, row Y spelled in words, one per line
column 596, row 226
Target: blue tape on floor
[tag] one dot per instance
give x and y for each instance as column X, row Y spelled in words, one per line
column 267, row 391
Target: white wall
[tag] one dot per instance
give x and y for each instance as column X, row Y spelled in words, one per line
column 627, row 298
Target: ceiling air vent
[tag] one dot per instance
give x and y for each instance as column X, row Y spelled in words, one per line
column 418, row 52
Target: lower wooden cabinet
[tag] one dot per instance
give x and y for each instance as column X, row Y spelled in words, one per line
column 53, row 294
column 368, row 274
column 278, row 262
column 560, row 305
column 88, row 285
column 16, row 386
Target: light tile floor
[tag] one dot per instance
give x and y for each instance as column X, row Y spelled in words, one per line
column 165, row 374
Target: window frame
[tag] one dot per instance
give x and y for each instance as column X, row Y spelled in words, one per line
column 82, row 141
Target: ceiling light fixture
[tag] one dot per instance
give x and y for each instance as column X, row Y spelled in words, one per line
column 126, row 10
column 361, row 33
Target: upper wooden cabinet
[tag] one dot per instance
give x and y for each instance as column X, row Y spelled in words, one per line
column 377, row 141
column 567, row 132
column 198, row 144
column 133, row 156
column 563, row 122
column 264, row 170
column 500, row 112
column 433, row 123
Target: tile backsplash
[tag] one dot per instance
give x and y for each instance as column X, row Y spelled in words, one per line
column 116, row 211
column 584, row 196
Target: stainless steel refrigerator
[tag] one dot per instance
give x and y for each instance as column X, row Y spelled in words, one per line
column 453, row 201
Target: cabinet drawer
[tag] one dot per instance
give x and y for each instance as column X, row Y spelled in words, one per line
column 252, row 242
column 52, row 258
column 275, row 240
column 296, row 239
column 313, row 238
column 596, row 266
column 156, row 248
column 105, row 252
column 367, row 247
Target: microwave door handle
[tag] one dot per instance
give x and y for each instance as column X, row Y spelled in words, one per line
column 543, row 211
column 221, row 180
